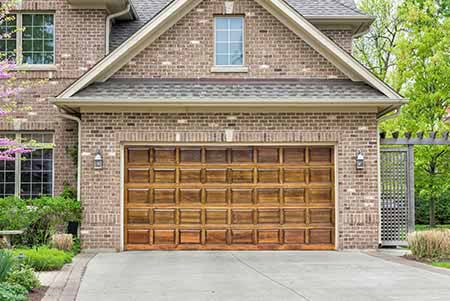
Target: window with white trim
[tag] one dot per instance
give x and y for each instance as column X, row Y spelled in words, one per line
column 34, row 41
column 31, row 174
column 229, row 41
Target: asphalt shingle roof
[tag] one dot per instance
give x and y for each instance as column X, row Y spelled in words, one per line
column 147, row 9
column 120, row 89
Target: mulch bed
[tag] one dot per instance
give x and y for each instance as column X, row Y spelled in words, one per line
column 37, row 294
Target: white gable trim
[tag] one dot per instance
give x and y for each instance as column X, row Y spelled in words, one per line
column 179, row 8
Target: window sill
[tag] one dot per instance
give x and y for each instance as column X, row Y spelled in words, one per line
column 229, row 69
column 25, row 67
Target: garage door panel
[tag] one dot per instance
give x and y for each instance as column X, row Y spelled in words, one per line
column 269, row 236
column 164, row 237
column 321, row 236
column 242, row 176
column 294, row 155
column 216, row 237
column 165, row 175
column 268, row 196
column 293, row 196
column 216, row 155
column 217, row 217
column 190, row 155
column 242, row 196
column 216, row 196
column 268, row 175
column 163, row 155
column 138, row 156
column 321, row 196
column 139, row 196
column 138, row 175
column 242, row 155
column 164, row 196
column 216, row 176
column 164, row 216
column 294, row 236
column 190, row 236
column 242, row 236
column 139, row 237
column 212, row 197
column 190, row 176
column 192, row 216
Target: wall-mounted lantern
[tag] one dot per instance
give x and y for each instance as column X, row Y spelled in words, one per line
column 359, row 160
column 98, row 160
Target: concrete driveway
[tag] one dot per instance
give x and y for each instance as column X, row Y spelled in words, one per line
column 258, row 276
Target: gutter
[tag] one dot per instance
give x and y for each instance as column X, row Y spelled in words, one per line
column 109, row 22
column 78, row 120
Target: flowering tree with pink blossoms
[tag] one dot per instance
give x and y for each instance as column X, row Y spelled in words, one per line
column 10, row 88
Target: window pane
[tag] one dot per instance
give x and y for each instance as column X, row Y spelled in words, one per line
column 8, row 38
column 236, row 59
column 236, row 36
column 7, row 178
column 37, row 167
column 222, row 48
column 222, row 36
column 38, row 39
column 236, row 23
column 222, row 23
column 222, row 60
column 235, row 48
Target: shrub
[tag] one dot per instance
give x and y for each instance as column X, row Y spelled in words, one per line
column 24, row 275
column 6, row 263
column 15, row 214
column 62, row 242
column 12, row 292
column 433, row 244
column 44, row 258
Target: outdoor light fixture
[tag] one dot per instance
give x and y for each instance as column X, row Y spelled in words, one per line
column 98, row 160
column 359, row 160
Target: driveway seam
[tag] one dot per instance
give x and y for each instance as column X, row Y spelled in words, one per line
column 269, row 278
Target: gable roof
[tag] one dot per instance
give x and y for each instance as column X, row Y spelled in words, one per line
column 311, row 9
column 177, row 9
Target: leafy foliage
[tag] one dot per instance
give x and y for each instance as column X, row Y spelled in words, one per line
column 419, row 68
column 39, row 217
column 12, row 292
column 44, row 258
column 24, row 275
column 6, row 263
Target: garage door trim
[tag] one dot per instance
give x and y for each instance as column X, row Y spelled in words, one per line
column 123, row 145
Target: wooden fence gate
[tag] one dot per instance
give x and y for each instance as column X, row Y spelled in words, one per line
column 397, row 195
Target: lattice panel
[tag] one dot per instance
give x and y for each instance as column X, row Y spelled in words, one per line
column 394, row 196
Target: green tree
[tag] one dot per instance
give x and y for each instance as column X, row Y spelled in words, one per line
column 423, row 76
column 376, row 48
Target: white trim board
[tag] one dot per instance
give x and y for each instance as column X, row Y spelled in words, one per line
column 179, row 8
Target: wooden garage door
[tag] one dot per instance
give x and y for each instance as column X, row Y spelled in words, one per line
column 229, row 197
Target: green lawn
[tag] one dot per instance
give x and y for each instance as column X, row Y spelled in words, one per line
column 426, row 227
column 442, row 264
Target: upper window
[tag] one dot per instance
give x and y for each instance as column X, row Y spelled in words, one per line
column 229, row 41
column 34, row 41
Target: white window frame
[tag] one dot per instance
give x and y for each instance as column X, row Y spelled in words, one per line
column 243, row 41
column 19, row 40
column 18, row 166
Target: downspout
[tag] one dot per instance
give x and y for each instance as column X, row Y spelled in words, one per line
column 62, row 114
column 108, row 25
column 379, row 120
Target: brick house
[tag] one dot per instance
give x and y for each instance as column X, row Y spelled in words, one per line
column 202, row 124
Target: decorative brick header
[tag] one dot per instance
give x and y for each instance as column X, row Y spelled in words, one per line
column 237, row 136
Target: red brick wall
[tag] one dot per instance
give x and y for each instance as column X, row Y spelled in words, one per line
column 271, row 49
column 79, row 44
column 357, row 198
